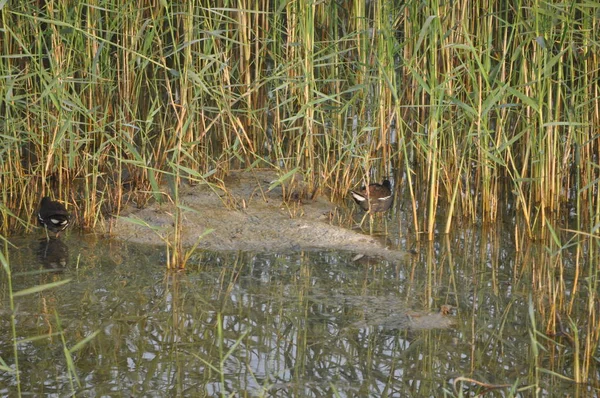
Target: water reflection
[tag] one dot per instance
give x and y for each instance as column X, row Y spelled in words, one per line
column 288, row 324
column 53, row 253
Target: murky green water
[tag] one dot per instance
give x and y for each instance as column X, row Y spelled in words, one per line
column 304, row 324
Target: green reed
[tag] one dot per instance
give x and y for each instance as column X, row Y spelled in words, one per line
column 470, row 108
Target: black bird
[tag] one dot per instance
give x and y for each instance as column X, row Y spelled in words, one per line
column 53, row 216
column 375, row 198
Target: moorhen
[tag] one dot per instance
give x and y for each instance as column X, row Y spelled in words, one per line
column 53, row 216
column 375, row 198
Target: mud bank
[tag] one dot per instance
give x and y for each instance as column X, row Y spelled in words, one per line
column 246, row 215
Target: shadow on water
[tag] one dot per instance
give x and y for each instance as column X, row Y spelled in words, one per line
column 303, row 323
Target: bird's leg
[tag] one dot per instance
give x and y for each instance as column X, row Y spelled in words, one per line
column 363, row 220
column 385, row 225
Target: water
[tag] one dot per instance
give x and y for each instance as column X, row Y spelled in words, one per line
column 302, row 323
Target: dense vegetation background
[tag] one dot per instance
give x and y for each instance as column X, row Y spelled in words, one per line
column 477, row 112
column 475, row 109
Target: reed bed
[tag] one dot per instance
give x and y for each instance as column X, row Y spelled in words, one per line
column 470, row 108
column 473, row 111
column 479, row 114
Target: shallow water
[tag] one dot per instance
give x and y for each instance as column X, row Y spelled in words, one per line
column 302, row 323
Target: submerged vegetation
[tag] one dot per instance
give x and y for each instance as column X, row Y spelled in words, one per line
column 472, row 112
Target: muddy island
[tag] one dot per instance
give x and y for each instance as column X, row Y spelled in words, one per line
column 249, row 215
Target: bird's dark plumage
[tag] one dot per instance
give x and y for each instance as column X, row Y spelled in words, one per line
column 53, row 215
column 375, row 198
